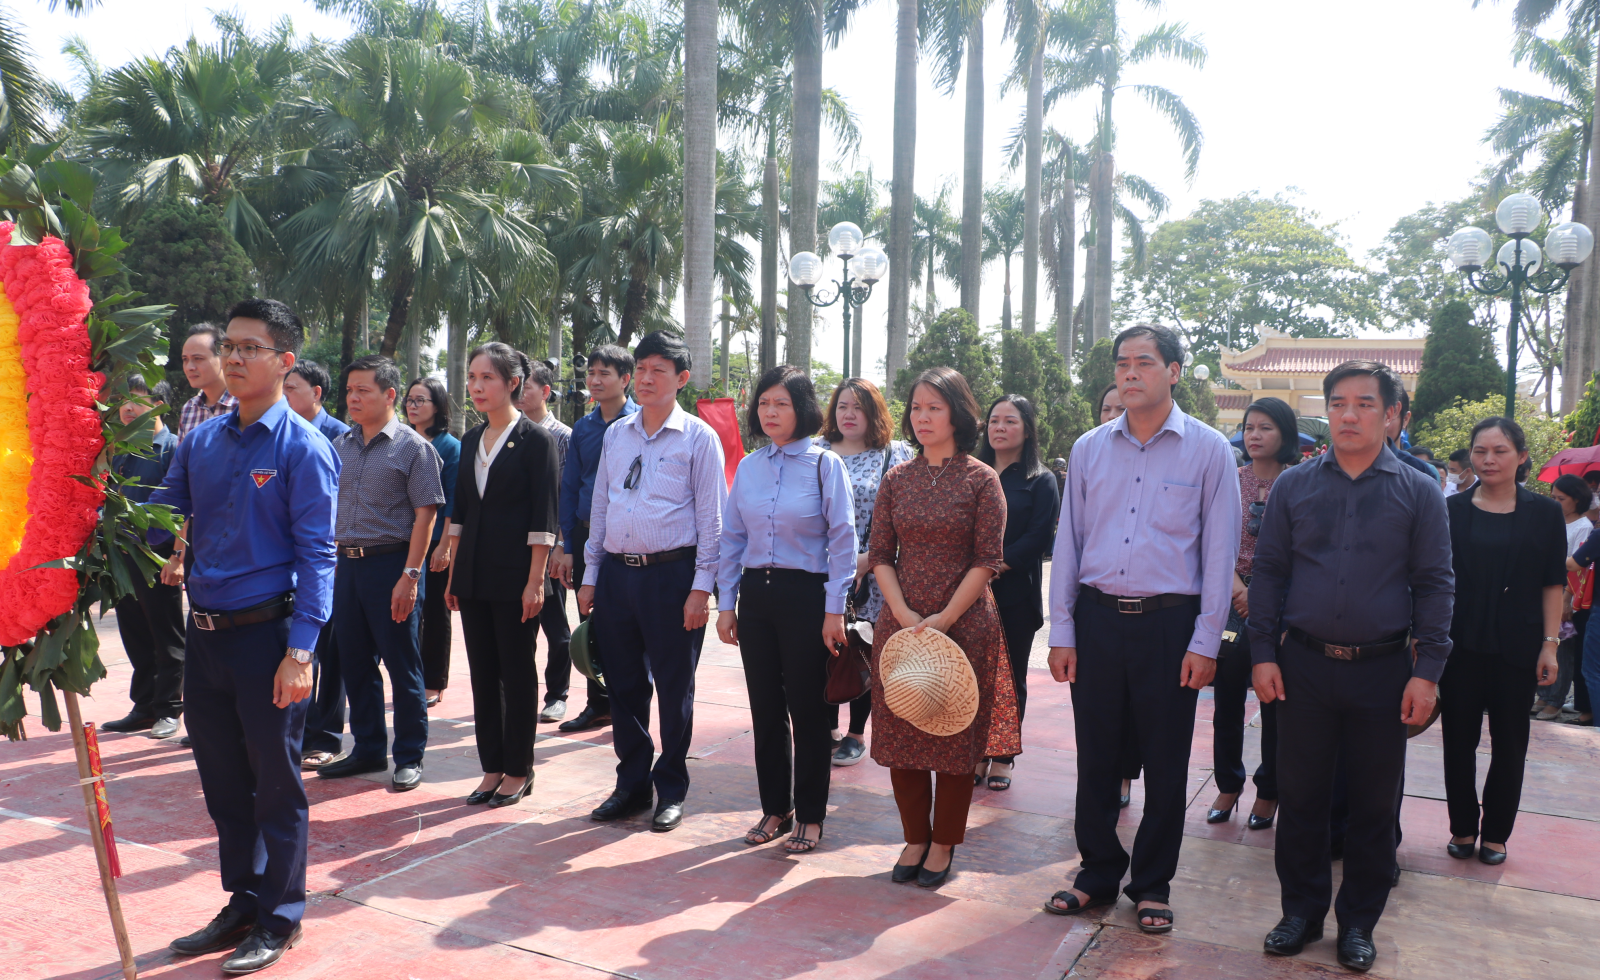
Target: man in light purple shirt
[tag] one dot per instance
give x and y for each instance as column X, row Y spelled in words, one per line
column 1139, row 590
column 654, row 533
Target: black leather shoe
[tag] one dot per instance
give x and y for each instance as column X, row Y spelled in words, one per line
column 407, row 777
column 351, row 766
column 1221, row 816
column 164, row 728
column 587, row 718
column 1290, row 936
column 1462, row 851
column 668, row 816
column 260, row 950
column 1491, row 858
column 903, row 873
column 1356, row 951
column 1395, row 883
column 129, row 723
column 512, row 799
column 479, row 797
column 184, row 741
column 228, row 929
column 554, row 711
column 933, row 879
column 619, row 806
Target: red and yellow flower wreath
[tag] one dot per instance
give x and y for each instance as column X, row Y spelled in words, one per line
column 50, row 432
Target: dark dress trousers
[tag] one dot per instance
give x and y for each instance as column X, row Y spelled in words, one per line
column 150, row 620
column 1503, row 563
column 491, row 569
column 1347, row 562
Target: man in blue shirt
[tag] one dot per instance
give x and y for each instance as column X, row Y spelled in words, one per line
column 609, row 373
column 150, row 621
column 259, row 486
column 303, row 388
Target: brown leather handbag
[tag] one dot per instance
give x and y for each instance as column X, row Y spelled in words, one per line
column 850, row 671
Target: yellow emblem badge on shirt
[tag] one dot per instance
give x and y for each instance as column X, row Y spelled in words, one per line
column 262, row 476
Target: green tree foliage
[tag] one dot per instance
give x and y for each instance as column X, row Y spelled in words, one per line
column 1096, row 371
column 1416, row 276
column 1451, row 428
column 1458, row 362
column 1195, row 398
column 953, row 340
column 187, row 258
column 1585, row 417
column 1238, row 265
column 1032, row 368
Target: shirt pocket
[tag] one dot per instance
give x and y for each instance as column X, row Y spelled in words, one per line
column 672, row 475
column 1176, row 510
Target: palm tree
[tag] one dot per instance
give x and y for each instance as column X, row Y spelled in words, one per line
column 699, row 179
column 854, row 199
column 1002, row 235
column 1098, row 51
column 955, row 29
column 936, row 245
column 1032, row 25
column 25, row 96
column 902, row 185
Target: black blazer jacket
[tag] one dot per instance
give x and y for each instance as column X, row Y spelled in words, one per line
column 518, row 499
column 1540, row 560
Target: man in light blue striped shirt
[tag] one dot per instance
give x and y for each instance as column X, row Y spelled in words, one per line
column 650, row 563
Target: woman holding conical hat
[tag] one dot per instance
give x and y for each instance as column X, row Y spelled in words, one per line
column 942, row 696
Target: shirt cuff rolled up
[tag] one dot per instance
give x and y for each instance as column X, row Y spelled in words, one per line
column 1064, row 635
column 455, row 530
column 542, row 537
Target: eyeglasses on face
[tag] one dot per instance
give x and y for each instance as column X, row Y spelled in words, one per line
column 416, row 402
column 246, row 352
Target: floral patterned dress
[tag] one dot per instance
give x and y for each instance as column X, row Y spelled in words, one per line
column 866, row 470
column 933, row 526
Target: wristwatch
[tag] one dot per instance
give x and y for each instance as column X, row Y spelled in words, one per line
column 413, row 573
column 299, row 656
column 1552, row 639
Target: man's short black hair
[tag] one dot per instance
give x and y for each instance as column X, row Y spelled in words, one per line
column 1463, row 457
column 1423, row 453
column 802, row 393
column 541, row 376
column 1167, row 342
column 206, row 330
column 282, row 324
column 384, row 371
column 1389, row 386
column 314, row 374
column 159, row 394
column 663, row 344
column 616, row 358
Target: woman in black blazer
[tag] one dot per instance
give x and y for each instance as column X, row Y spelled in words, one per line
column 1508, row 546
column 502, row 528
column 1011, row 447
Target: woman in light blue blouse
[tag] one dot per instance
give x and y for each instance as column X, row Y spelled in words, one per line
column 788, row 561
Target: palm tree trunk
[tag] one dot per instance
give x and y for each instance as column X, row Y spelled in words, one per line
column 456, row 375
column 1005, row 307
column 553, row 344
column 727, row 316
column 354, row 307
column 902, row 190
column 928, row 283
column 634, row 306
column 972, row 173
column 1588, row 326
column 413, row 348
column 1575, row 341
column 1034, row 163
column 769, row 255
column 405, row 283
column 805, row 143
column 1066, row 259
column 699, row 180
column 1089, row 260
column 1103, row 239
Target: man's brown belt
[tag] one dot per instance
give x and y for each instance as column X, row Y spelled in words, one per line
column 639, row 561
column 1346, row 651
column 261, row 613
column 1144, row 604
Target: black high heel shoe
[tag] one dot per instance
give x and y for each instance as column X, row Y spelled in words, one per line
column 903, row 873
column 1461, row 851
column 933, row 879
column 1222, row 816
column 511, row 799
column 1261, row 823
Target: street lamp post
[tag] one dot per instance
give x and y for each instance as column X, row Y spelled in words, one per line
column 1521, row 263
column 864, row 265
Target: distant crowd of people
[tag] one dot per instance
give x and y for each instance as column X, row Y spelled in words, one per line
column 1345, row 589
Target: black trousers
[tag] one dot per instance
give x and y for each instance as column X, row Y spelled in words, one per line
column 1018, row 626
column 1476, row 681
column 1231, row 687
column 1339, row 708
column 151, row 625
column 785, row 673
column 597, row 698
column 1128, row 669
column 505, row 684
column 325, row 717
column 558, row 643
column 860, row 711
column 436, row 627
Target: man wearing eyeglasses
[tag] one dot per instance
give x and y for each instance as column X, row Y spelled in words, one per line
column 651, row 559
column 258, row 487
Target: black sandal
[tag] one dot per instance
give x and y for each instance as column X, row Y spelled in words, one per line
column 758, row 835
column 1073, row 905
column 1000, row 782
column 803, row 845
column 1158, row 914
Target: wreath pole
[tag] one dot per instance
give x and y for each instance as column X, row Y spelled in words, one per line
column 80, row 746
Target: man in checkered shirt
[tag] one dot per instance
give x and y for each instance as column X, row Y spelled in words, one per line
column 202, row 366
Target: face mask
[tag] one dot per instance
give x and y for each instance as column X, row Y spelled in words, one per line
column 1454, row 479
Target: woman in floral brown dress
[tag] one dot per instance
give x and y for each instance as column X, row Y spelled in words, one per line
column 937, row 540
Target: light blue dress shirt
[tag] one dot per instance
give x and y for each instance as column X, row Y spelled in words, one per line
column 780, row 515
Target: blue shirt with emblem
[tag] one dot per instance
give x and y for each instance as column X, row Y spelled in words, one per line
column 261, row 506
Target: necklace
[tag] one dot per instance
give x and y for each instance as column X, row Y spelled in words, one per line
column 935, row 472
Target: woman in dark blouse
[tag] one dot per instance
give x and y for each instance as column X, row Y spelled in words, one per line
column 1011, row 446
column 1508, row 546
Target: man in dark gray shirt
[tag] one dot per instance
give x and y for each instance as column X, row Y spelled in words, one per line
column 1352, row 574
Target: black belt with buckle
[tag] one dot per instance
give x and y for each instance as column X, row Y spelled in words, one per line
column 1144, row 604
column 371, row 550
column 639, row 561
column 1349, row 651
column 264, row 612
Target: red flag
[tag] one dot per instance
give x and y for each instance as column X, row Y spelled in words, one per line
column 722, row 414
column 101, row 804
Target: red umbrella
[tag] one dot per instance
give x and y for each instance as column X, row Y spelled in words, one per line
column 1584, row 459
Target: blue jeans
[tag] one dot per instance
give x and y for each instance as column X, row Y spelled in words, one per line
column 367, row 634
column 1591, row 658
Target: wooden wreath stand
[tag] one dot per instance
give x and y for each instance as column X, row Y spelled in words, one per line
column 80, row 747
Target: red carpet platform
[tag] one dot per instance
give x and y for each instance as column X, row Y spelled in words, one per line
column 417, row 885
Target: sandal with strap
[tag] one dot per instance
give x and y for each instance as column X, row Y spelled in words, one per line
column 803, row 845
column 979, row 771
column 1073, row 905
column 1000, row 775
column 1163, row 919
column 758, row 835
